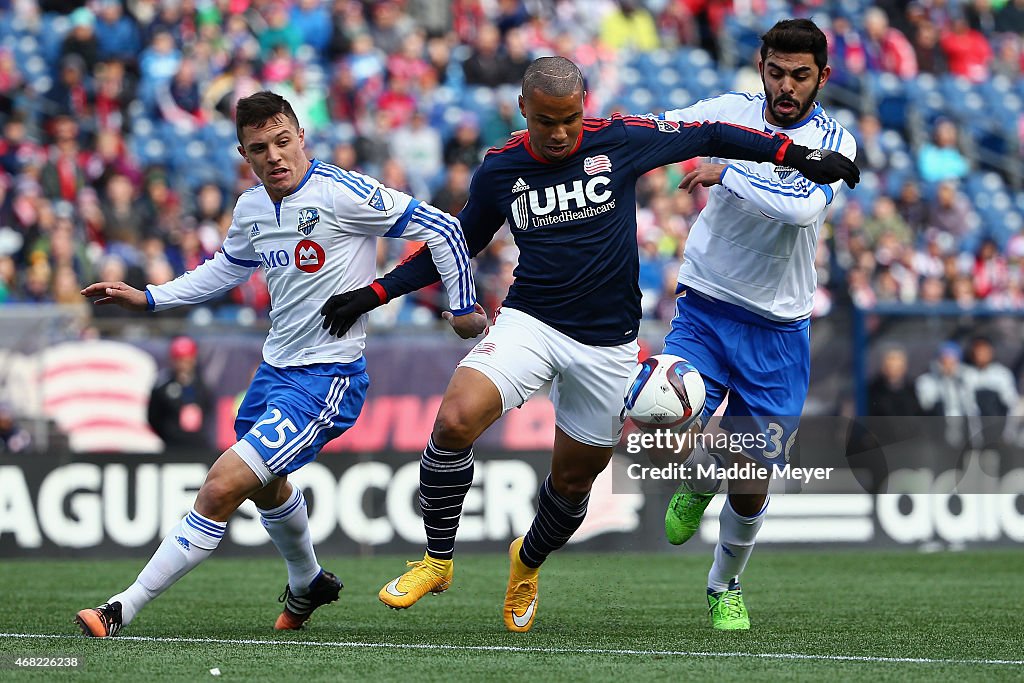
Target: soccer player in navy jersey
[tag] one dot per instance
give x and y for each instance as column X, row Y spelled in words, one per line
column 566, row 187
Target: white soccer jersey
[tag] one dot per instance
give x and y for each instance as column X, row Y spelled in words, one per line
column 753, row 245
column 319, row 241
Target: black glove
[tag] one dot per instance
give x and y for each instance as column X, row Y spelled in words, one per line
column 341, row 311
column 822, row 166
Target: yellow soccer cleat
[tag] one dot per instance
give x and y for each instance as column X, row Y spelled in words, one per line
column 424, row 576
column 521, row 594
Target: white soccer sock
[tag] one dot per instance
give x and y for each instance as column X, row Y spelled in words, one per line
column 190, row 542
column 736, row 536
column 288, row 526
column 701, row 457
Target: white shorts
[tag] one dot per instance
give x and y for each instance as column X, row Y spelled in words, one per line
column 520, row 353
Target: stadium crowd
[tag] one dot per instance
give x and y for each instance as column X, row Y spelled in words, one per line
column 118, row 158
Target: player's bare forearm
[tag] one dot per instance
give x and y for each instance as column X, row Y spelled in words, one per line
column 116, row 293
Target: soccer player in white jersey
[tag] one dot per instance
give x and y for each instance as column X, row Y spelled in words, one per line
column 746, row 288
column 313, row 227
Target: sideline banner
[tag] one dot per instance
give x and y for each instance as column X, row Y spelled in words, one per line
column 365, row 504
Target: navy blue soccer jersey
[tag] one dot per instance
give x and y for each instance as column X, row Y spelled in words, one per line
column 574, row 220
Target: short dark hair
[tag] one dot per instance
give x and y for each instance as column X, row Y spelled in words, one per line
column 258, row 108
column 796, row 36
column 555, row 76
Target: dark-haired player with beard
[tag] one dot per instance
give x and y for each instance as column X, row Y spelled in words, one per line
column 746, row 289
column 566, row 187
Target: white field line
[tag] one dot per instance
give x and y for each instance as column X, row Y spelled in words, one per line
column 536, row 650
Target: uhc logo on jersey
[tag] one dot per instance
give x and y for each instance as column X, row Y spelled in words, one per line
column 308, row 218
column 571, row 201
column 309, row 256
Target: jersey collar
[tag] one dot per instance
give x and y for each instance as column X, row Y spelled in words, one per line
column 529, row 149
column 815, row 110
column 314, row 162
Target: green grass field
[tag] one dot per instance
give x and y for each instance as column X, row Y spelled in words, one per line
column 816, row 616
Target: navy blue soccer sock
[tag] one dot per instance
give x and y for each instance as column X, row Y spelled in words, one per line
column 557, row 520
column 445, row 478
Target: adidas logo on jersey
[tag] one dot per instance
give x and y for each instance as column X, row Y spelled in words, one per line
column 255, row 230
column 520, row 186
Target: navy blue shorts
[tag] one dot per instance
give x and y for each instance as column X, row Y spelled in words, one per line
column 765, row 366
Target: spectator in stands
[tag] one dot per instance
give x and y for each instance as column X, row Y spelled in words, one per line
column 931, row 58
column 941, row 159
column 995, row 387
column 63, row 176
column 452, row 197
column 912, row 207
column 278, row 30
column 117, row 36
column 995, row 393
column 885, row 219
column 886, row 49
column 951, row 213
column 417, row 147
column 1010, row 17
column 487, row 65
column 312, row 19
column 891, row 393
column 309, row 101
column 465, row 146
column 11, row 81
column 114, row 92
column 871, row 155
column 70, row 96
column 81, row 38
column 947, row 390
column 629, row 27
column 991, row 271
column 180, row 405
column 967, row 51
column 13, row 437
column 389, row 27
column 124, row 219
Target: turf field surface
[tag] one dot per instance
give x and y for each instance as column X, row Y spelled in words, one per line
column 842, row 615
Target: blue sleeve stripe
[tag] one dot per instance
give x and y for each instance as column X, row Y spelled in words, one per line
column 447, row 229
column 239, row 261
column 150, row 304
column 403, row 221
column 802, row 185
column 464, row 311
column 763, row 184
column 839, row 139
column 346, row 181
column 354, row 177
column 829, row 193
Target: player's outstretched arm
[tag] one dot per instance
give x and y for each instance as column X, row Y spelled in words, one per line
column 118, row 294
column 662, row 142
column 480, row 220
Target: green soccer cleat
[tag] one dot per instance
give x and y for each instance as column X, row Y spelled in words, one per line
column 684, row 513
column 728, row 613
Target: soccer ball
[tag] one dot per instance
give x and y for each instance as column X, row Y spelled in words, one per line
column 664, row 391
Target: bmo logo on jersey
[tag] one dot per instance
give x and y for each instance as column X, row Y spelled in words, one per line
column 575, row 200
column 309, row 256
